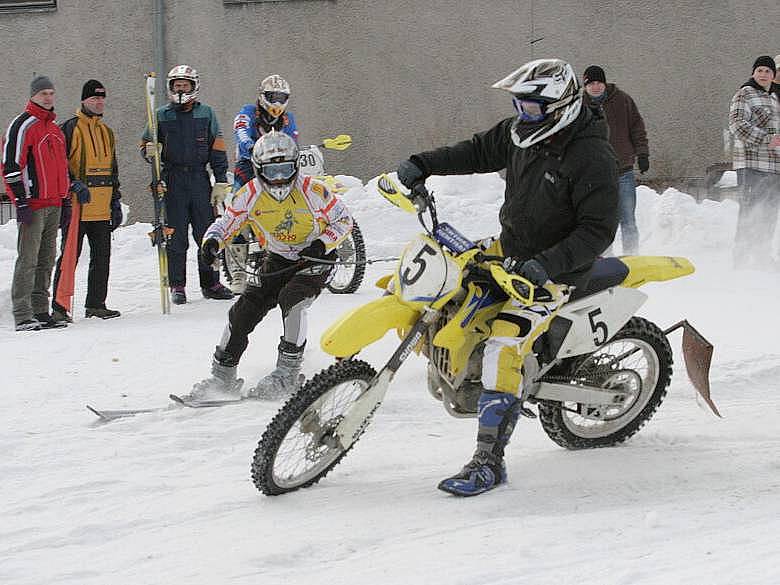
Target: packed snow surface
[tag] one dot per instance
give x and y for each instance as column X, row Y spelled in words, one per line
column 167, row 497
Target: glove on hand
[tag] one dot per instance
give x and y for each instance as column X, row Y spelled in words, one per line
column 409, row 173
column 531, row 270
column 81, row 191
column 209, row 251
column 23, row 211
column 643, row 162
column 218, row 193
column 116, row 214
column 314, row 250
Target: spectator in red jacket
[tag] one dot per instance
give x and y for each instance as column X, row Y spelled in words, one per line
column 628, row 137
column 35, row 174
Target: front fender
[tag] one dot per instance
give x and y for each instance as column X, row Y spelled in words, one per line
column 366, row 324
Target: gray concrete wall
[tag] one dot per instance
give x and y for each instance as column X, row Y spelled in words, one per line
column 399, row 75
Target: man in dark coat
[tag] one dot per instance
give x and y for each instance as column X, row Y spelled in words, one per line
column 629, row 139
column 559, row 214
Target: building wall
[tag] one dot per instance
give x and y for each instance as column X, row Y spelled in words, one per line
column 398, row 75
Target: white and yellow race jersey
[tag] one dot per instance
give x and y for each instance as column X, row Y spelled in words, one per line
column 311, row 211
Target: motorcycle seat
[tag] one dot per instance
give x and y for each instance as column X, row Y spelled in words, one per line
column 607, row 272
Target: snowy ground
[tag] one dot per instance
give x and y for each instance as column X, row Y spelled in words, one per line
column 167, row 497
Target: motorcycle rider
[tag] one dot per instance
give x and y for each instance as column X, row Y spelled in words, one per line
column 559, row 213
column 268, row 113
column 298, row 216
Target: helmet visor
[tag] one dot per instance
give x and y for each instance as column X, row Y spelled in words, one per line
column 529, row 110
column 278, row 172
column 276, row 97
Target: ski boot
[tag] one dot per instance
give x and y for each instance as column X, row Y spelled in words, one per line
column 178, row 296
column 486, row 470
column 217, row 291
column 223, row 379
column 286, row 377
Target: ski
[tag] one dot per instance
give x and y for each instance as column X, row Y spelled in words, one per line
column 110, row 415
column 160, row 233
column 195, row 403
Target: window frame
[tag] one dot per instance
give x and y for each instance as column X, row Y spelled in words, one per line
column 11, row 6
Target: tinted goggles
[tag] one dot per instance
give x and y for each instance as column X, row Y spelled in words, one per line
column 278, row 171
column 530, row 110
column 276, row 97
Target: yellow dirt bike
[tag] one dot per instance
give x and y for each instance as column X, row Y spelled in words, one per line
column 596, row 376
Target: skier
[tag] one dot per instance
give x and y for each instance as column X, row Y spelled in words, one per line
column 268, row 113
column 559, row 213
column 298, row 216
column 254, row 120
column 190, row 137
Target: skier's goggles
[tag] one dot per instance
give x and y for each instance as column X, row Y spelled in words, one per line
column 278, row 171
column 530, row 110
column 276, row 97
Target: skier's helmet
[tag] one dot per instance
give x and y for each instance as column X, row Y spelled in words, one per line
column 547, row 97
column 275, row 159
column 273, row 93
column 188, row 74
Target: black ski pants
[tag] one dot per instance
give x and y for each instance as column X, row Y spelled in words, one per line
column 98, row 235
column 188, row 203
column 293, row 290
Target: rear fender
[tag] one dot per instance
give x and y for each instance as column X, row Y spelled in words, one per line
column 642, row 269
column 366, row 324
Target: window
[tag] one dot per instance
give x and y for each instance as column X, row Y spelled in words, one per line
column 250, row 1
column 27, row 5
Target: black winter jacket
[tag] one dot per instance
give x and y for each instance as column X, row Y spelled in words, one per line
column 561, row 199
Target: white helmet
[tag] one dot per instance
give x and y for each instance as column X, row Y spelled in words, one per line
column 273, row 94
column 275, row 159
column 189, row 74
column 547, row 97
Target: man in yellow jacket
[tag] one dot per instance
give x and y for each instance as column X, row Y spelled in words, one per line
column 94, row 209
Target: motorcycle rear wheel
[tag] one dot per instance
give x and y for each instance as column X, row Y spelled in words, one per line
column 299, row 448
column 645, row 375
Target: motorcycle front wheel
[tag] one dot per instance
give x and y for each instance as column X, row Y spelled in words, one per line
column 636, row 361
column 299, row 447
column 348, row 277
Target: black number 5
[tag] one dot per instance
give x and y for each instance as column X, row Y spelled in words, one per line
column 406, row 277
column 597, row 326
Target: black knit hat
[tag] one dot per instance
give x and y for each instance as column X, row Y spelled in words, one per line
column 766, row 61
column 92, row 88
column 593, row 73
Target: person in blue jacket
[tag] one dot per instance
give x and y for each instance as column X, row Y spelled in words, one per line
column 255, row 120
column 190, row 137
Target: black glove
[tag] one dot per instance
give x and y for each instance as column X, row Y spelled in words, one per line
column 532, row 270
column 116, row 214
column 643, row 162
column 314, row 250
column 409, row 173
column 209, row 251
column 23, row 211
column 81, row 191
